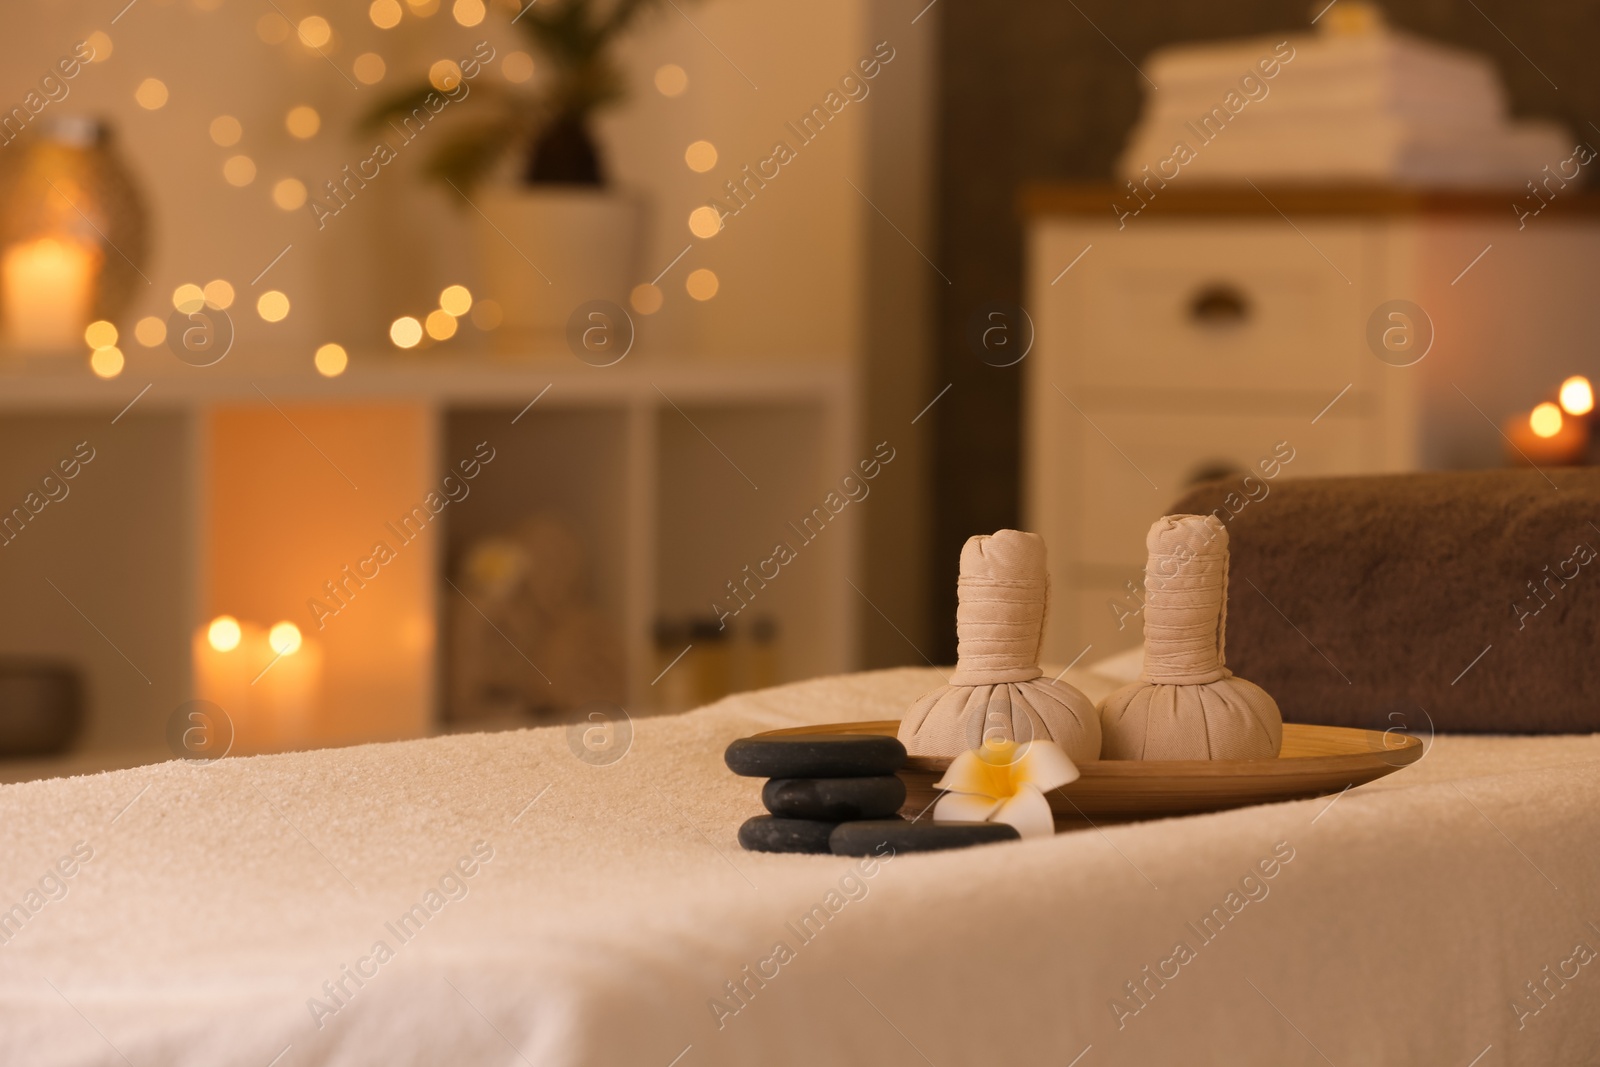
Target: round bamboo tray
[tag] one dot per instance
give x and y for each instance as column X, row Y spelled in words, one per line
column 1315, row 761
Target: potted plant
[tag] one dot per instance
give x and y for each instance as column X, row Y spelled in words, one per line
column 560, row 234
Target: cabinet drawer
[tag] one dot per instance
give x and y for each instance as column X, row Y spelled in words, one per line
column 1210, row 306
column 1116, row 503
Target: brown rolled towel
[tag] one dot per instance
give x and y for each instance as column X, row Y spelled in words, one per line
column 1465, row 600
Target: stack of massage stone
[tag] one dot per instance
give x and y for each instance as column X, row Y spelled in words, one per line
column 839, row 793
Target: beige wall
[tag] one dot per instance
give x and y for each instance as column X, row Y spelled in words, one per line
column 790, row 265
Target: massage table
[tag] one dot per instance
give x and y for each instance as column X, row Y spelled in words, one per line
column 535, row 908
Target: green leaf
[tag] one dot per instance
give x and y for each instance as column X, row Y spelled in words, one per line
column 466, row 156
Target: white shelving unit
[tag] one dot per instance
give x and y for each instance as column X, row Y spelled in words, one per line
column 217, row 491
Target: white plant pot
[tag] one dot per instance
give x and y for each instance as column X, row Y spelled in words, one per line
column 545, row 251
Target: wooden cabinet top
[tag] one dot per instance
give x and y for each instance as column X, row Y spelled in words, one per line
column 1218, row 200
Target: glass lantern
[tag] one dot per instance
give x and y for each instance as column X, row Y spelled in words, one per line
column 73, row 235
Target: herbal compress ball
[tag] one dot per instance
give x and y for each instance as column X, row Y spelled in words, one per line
column 1188, row 705
column 997, row 691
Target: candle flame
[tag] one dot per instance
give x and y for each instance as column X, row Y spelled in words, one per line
column 224, row 633
column 1577, row 396
column 1545, row 420
column 284, row 637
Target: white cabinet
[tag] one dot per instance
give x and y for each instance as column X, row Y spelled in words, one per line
column 1225, row 328
column 1207, row 306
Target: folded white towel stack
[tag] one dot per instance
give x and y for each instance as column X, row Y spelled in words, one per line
column 1356, row 102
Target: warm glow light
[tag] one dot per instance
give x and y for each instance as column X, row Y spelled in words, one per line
column 273, row 306
column 226, row 131
column 487, row 314
column 219, row 294
column 150, row 331
column 701, row 156
column 441, row 325
column 671, row 80
column 1577, row 395
column 188, row 298
column 517, row 67
column 272, row 28
column 47, row 287
column 289, row 194
column 224, row 633
column 284, row 637
column 456, row 300
column 101, row 334
column 1545, row 420
column 702, row 284
column 315, row 31
column 444, row 75
column 239, row 170
column 468, row 12
column 331, row 360
column 705, row 221
column 106, row 362
column 370, row 68
column 385, row 14
column 303, row 122
column 646, row 299
column 101, row 45
column 405, row 332
column 151, row 94
column 423, row 8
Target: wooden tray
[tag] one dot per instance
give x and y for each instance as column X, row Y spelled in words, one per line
column 1315, row 761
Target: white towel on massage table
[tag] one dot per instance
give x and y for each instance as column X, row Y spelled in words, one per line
column 615, row 909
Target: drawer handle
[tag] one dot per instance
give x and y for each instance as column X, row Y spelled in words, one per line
column 1219, row 305
column 1214, row 470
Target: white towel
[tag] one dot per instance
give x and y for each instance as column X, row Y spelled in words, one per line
column 618, row 906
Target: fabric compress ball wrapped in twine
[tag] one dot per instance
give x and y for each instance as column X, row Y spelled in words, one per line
column 1188, row 705
column 996, row 692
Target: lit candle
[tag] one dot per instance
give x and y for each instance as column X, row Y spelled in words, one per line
column 46, row 286
column 1577, row 395
column 1544, row 437
column 222, row 673
column 289, row 691
column 268, row 682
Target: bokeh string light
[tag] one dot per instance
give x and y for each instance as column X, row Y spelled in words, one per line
column 405, row 332
column 385, row 14
column 315, row 31
column 671, row 80
column 152, row 94
column 701, row 156
column 218, row 294
column 455, row 300
column 702, row 284
column 302, row 122
column 369, row 68
column 289, row 194
column 239, row 170
column 226, row 131
column 331, row 360
column 273, row 306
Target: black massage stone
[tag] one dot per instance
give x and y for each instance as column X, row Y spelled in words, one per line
column 868, row 838
column 816, row 756
column 769, row 833
column 835, row 799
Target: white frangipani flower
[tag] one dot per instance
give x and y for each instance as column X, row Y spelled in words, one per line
column 1003, row 781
